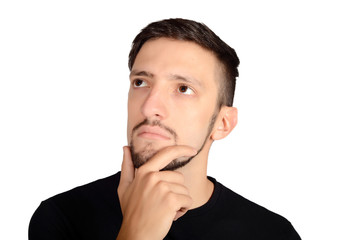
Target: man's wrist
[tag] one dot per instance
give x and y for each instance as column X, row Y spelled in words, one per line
column 126, row 233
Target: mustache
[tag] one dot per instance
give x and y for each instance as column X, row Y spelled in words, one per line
column 155, row 123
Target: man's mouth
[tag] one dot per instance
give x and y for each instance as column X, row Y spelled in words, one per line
column 153, row 133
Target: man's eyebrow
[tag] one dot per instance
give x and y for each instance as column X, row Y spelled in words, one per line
column 185, row 79
column 141, row 73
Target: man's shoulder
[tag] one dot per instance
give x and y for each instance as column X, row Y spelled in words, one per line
column 101, row 191
column 101, row 187
column 237, row 203
column 79, row 212
column 253, row 217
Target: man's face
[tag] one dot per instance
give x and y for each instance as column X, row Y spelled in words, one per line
column 172, row 98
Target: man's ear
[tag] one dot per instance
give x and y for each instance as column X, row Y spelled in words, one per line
column 227, row 120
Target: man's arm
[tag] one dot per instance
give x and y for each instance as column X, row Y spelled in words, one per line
column 151, row 199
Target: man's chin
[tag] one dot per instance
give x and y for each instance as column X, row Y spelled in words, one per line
column 140, row 158
column 144, row 151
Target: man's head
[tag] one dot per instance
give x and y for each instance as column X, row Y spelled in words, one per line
column 182, row 78
column 188, row 30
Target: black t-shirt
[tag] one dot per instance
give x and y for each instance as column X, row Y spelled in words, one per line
column 93, row 211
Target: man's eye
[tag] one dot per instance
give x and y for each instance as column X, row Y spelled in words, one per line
column 139, row 83
column 185, row 90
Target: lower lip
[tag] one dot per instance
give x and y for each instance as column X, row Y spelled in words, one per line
column 153, row 136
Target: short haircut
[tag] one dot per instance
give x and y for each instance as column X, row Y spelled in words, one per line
column 199, row 33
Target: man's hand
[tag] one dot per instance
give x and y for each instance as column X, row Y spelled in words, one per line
column 151, row 200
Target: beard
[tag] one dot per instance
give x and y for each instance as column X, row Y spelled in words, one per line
column 141, row 157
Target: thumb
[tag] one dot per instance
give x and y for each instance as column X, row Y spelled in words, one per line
column 127, row 172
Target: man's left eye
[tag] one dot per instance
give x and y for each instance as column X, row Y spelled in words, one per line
column 185, row 90
column 139, row 83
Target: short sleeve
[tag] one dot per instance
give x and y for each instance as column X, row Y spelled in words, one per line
column 48, row 222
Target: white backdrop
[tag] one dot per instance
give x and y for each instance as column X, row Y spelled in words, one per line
column 63, row 93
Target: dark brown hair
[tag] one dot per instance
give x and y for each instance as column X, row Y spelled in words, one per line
column 199, row 33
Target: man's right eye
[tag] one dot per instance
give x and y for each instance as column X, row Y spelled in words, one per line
column 139, row 83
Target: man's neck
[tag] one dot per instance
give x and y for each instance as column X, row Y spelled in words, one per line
column 195, row 174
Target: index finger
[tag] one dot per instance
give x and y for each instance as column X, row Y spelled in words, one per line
column 167, row 155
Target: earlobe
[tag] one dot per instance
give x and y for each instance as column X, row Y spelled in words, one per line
column 225, row 124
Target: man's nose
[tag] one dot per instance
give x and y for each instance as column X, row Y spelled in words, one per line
column 154, row 106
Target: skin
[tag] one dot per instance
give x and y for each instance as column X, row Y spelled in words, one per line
column 176, row 84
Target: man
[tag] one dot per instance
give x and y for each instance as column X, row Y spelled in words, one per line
column 182, row 82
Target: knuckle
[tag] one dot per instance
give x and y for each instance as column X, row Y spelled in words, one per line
column 152, row 178
column 163, row 187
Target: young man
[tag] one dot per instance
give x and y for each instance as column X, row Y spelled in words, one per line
column 182, row 82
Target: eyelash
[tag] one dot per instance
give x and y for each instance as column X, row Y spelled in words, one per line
column 177, row 89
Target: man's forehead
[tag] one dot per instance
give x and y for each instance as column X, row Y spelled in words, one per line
column 207, row 70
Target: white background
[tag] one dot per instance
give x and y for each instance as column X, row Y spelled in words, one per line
column 63, row 94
